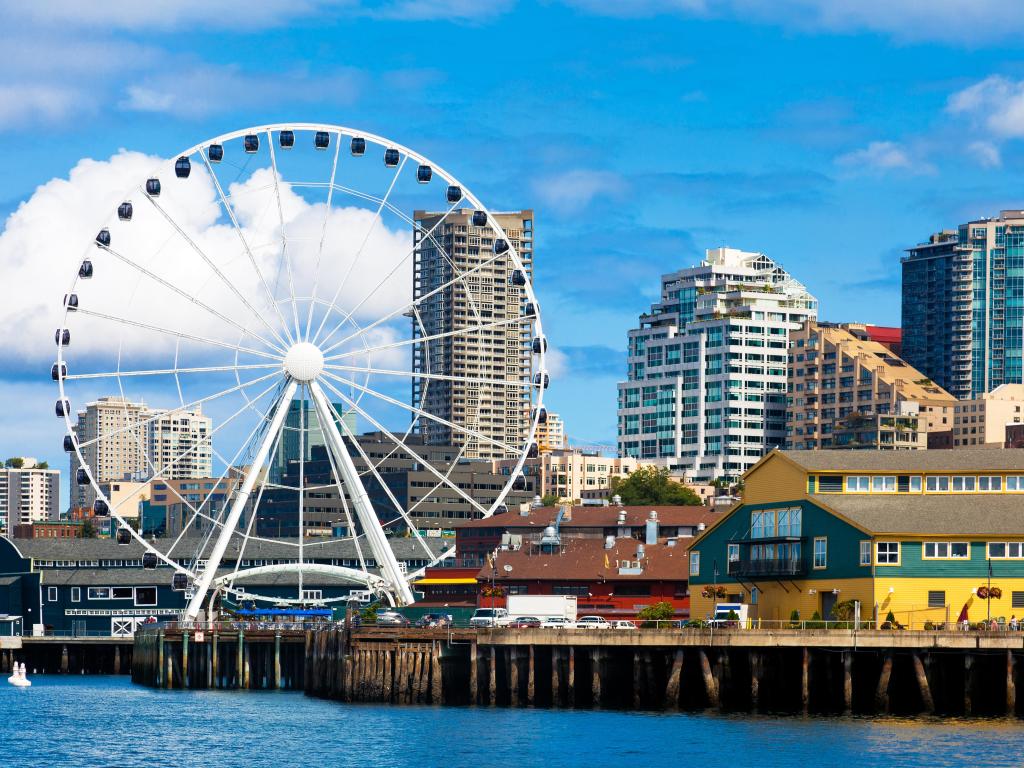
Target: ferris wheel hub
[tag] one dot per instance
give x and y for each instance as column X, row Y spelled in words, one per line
column 304, row 361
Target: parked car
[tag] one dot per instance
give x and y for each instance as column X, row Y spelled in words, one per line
column 623, row 624
column 489, row 617
column 434, row 620
column 391, row 618
column 556, row 622
column 592, row 622
column 525, row 622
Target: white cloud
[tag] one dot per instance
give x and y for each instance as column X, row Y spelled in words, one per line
column 985, row 153
column 574, row 190
column 23, row 104
column 557, row 363
column 883, row 157
column 441, row 10
column 996, row 104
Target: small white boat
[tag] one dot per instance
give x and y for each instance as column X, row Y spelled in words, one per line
column 19, row 678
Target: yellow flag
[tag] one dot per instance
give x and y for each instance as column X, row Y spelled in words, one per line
column 606, row 563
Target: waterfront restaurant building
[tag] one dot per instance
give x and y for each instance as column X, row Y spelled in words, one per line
column 921, row 534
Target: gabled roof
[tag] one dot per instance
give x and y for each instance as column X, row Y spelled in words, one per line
column 937, row 514
column 598, row 517
column 588, row 560
column 891, row 462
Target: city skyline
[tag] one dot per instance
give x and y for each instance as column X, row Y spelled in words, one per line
column 681, row 152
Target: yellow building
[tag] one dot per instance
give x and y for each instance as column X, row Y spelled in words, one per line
column 921, row 534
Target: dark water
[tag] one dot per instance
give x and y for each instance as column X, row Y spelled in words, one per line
column 106, row 721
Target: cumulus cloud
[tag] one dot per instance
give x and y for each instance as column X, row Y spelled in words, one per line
column 995, row 104
column 22, row 104
column 882, row 157
column 985, row 153
column 574, row 190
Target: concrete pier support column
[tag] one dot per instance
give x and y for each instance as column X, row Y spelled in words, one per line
column 595, row 676
column 474, row 680
column 805, row 679
column 492, row 679
column 1011, row 685
column 922, row 684
column 882, row 691
column 968, row 683
column 847, row 682
column 531, row 686
column 674, row 676
column 278, row 682
column 710, row 684
column 556, row 685
column 570, row 681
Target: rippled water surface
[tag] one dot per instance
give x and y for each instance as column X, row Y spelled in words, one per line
column 106, row 721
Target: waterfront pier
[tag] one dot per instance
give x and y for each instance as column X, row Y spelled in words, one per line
column 814, row 672
column 68, row 655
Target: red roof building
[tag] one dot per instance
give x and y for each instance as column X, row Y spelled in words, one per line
column 887, row 336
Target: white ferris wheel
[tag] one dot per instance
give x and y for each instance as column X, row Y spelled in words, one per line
column 273, row 273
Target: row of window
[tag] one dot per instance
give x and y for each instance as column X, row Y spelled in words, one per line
column 914, row 483
column 143, row 596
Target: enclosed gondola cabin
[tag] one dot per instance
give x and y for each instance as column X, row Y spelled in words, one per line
column 501, row 509
column 179, row 582
column 85, row 270
column 286, row 139
column 358, row 146
column 541, row 380
column 321, row 140
column 454, row 194
column 100, row 508
column 81, row 477
column 124, row 211
column 542, row 415
column 424, row 174
column 123, row 536
column 479, row 218
column 532, row 452
column 251, row 143
column 69, row 443
column 182, row 167
column 540, row 344
column 519, row 484
column 71, row 301
column 62, row 337
column 518, row 277
column 390, row 157
column 215, row 153
column 149, row 561
column 58, row 371
column 103, row 238
column 153, row 187
column 500, row 246
column 531, row 310
column 62, row 408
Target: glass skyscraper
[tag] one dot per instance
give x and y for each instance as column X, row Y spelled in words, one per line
column 963, row 305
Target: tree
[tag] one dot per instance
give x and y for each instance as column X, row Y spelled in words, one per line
column 43, row 465
column 15, row 462
column 651, row 485
column 661, row 611
column 88, row 530
column 548, row 500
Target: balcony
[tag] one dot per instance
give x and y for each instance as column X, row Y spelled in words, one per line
column 775, row 568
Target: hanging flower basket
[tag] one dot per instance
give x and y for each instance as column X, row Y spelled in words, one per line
column 983, row 593
column 709, row 592
column 994, row 593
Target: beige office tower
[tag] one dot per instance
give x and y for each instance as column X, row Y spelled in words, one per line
column 499, row 350
column 122, row 440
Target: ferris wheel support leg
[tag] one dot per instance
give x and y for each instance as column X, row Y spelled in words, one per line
column 239, row 502
column 368, row 520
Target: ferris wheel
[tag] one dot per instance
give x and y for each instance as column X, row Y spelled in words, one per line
column 300, row 286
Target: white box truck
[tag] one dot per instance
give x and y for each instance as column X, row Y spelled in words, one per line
column 723, row 612
column 543, row 606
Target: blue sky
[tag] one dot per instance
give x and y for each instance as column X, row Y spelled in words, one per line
column 829, row 137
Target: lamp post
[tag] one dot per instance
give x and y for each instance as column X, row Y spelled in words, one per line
column 988, row 599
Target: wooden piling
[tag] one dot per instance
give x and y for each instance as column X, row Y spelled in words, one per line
column 636, row 679
column 388, row 683
column 247, row 670
column 968, row 680
column 847, row 682
column 513, row 675
column 710, row 684
column 1011, row 685
column 240, row 661
column 474, row 683
column 556, row 687
column 530, row 681
column 805, row 679
column 424, row 677
column 882, row 691
column 674, row 676
column 184, row 660
column 64, row 659
column 209, row 664
column 117, row 660
column 436, row 678
column 214, row 659
column 595, row 677
column 570, row 681
column 278, row 683
column 922, row 684
column 160, row 661
column 492, row 682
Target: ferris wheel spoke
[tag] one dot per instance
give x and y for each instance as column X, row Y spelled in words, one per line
column 323, row 235
column 345, row 507
column 414, row 303
column 285, row 255
column 193, row 299
column 241, row 497
column 402, row 514
column 405, row 447
column 252, row 259
column 179, row 409
column 417, row 411
column 519, row 384
column 177, row 334
column 422, row 339
column 359, row 252
column 428, row 235
column 216, row 270
column 171, row 371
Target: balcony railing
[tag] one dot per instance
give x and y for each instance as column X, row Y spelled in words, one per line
column 771, row 568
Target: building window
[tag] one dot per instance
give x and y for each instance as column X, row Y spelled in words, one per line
column 733, row 552
column 1002, row 550
column 883, row 484
column 1017, row 600
column 915, row 484
column 865, row 553
column 830, row 483
column 857, row 483
column 51, row 594
column 76, row 594
column 937, row 483
column 820, row 552
column 312, row 594
column 145, row 596
column 98, row 593
column 887, row 553
column 946, row 550
column 790, row 521
column 936, row 598
column 965, row 483
column 695, row 563
column 990, row 483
